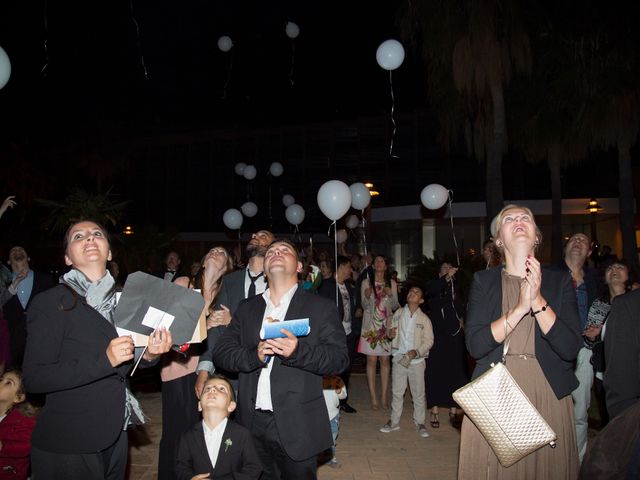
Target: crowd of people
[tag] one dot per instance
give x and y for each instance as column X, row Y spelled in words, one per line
column 241, row 405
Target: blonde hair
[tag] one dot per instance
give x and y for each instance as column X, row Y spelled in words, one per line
column 498, row 225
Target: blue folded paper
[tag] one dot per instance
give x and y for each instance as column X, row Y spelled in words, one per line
column 299, row 327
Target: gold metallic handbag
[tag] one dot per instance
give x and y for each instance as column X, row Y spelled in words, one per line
column 509, row 422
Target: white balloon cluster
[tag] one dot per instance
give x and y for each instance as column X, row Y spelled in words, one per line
column 360, row 196
column 434, row 196
column 5, row 68
column 225, row 43
column 352, row 221
column 390, row 54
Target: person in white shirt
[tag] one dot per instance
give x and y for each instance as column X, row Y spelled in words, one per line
column 412, row 337
column 334, row 390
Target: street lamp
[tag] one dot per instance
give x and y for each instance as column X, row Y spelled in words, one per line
column 128, row 230
column 593, row 207
column 372, row 192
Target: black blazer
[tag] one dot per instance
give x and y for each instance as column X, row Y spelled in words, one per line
column 66, row 359
column 622, row 353
column 16, row 316
column 238, row 461
column 232, row 290
column 555, row 351
column 327, row 289
column 299, row 408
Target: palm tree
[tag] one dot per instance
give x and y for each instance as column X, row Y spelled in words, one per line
column 474, row 46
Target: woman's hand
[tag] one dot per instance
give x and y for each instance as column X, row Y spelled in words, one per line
column 120, row 350
column 219, row 318
column 9, row 202
column 534, row 277
column 387, row 291
column 160, row 341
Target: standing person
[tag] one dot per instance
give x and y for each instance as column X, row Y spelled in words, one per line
column 490, row 254
column 75, row 357
column 585, row 284
column 181, row 383
column 25, row 285
column 538, row 309
column 379, row 300
column 412, row 336
column 346, row 306
column 447, row 367
column 280, row 393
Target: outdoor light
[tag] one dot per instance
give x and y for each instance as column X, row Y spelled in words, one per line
column 593, row 206
column 374, row 193
column 128, row 230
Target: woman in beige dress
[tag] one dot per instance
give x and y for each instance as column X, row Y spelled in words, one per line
column 543, row 331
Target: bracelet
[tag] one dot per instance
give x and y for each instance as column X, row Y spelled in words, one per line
column 506, row 315
column 543, row 309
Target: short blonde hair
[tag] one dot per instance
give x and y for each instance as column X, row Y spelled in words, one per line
column 498, row 224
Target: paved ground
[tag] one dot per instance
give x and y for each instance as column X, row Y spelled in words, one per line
column 364, row 453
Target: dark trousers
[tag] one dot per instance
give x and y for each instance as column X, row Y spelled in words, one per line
column 352, row 340
column 109, row 464
column 277, row 464
column 179, row 413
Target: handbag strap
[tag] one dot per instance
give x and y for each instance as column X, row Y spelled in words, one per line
column 505, row 347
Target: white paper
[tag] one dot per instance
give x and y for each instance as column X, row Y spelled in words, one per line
column 156, row 319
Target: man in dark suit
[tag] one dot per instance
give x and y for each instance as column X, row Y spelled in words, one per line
column 217, row 447
column 280, row 392
column 172, row 267
column 345, row 297
column 15, row 300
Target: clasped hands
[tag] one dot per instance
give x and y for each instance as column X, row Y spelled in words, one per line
column 530, row 298
column 278, row 346
column 122, row 349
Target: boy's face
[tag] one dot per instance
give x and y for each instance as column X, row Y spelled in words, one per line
column 9, row 388
column 216, row 394
column 414, row 296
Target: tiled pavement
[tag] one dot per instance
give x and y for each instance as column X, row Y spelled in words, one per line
column 364, row 452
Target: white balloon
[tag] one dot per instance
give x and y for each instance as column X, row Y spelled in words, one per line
column 434, row 196
column 240, row 168
column 341, row 235
column 232, row 218
column 5, row 68
column 360, row 196
column 276, row 169
column 390, row 54
column 249, row 209
column 294, row 214
column 352, row 220
column 334, row 199
column 292, row 30
column 288, row 200
column 249, row 172
column 225, row 43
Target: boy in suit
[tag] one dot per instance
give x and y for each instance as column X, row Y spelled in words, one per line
column 217, row 447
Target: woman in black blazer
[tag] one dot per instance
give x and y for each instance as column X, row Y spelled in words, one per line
column 534, row 310
column 75, row 357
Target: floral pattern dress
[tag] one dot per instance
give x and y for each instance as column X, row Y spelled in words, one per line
column 378, row 310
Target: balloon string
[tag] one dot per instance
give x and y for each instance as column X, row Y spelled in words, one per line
column 364, row 235
column 43, row 71
column 329, row 231
column 270, row 217
column 293, row 61
column 453, row 232
column 393, row 121
column 139, row 43
column 226, row 84
column 335, row 256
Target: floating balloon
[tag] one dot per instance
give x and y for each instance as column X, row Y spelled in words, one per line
column 341, row 235
column 334, row 199
column 360, row 196
column 232, row 218
column 5, row 68
column 434, row 196
column 390, row 54
column 352, row 220
column 249, row 172
column 294, row 214
column 249, row 209
column 292, row 30
column 225, row 43
column 240, row 168
column 276, row 169
column 288, row 200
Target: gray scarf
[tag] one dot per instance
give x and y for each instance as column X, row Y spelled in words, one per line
column 101, row 296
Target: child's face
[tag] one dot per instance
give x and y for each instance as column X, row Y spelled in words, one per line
column 217, row 394
column 9, row 388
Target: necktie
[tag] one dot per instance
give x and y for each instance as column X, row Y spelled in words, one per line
column 252, row 287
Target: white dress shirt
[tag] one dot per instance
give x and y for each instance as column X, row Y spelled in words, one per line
column 213, row 439
column 276, row 312
column 261, row 282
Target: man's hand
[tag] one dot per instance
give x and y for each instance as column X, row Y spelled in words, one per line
column 283, row 346
column 264, row 349
column 592, row 332
column 203, row 375
column 201, row 476
column 219, row 318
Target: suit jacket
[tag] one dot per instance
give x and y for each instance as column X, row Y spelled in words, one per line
column 299, row 408
column 15, row 435
column 66, row 359
column 238, row 461
column 555, row 351
column 16, row 316
column 327, row 289
column 622, row 353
